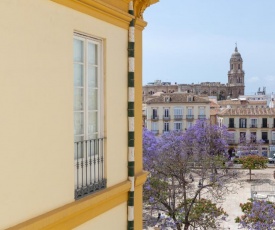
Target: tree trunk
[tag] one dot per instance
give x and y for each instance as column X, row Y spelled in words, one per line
column 186, row 226
column 250, row 174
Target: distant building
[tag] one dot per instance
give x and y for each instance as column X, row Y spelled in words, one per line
column 232, row 89
column 175, row 111
column 244, row 122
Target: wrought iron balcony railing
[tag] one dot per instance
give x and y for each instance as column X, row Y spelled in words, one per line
column 166, row 117
column 154, row 117
column 253, row 126
column 231, row 126
column 189, row 117
column 178, row 117
column 89, row 167
column 201, row 117
column 264, row 125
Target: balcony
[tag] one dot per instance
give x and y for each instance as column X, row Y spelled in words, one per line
column 178, row 117
column 231, row 126
column 89, row 167
column 166, row 117
column 201, row 117
column 156, row 132
column 242, row 127
column 253, row 126
column 273, row 142
column 264, row 126
column 232, row 142
column 266, row 141
column 154, row 118
column 189, row 117
column 166, row 131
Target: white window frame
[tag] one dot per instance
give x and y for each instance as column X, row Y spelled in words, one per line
column 166, row 112
column 100, row 93
column 178, row 126
column 166, row 127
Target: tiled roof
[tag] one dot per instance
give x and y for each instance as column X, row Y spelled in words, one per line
column 238, row 102
column 247, row 112
column 178, row 98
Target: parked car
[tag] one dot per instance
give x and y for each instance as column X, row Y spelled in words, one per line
column 271, row 160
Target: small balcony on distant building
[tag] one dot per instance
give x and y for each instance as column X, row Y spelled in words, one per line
column 156, row 132
column 232, row 142
column 166, row 117
column 154, row 118
column 264, row 126
column 178, row 117
column 201, row 117
column 273, row 142
column 189, row 117
column 231, row 126
column 266, row 141
column 253, row 126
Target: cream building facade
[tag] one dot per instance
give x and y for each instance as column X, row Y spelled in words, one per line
column 71, row 129
column 244, row 122
column 175, row 111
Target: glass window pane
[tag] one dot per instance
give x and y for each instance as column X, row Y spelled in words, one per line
column 92, row 77
column 78, row 99
column 92, row 99
column 78, row 50
column 92, row 53
column 78, row 75
column 92, row 122
column 78, row 123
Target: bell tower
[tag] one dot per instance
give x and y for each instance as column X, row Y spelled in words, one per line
column 236, row 75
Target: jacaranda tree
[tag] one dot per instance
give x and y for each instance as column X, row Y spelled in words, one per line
column 188, row 174
column 258, row 215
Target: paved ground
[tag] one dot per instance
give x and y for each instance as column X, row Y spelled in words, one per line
column 232, row 201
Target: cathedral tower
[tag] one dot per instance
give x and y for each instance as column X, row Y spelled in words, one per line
column 236, row 75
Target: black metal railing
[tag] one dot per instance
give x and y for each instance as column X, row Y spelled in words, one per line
column 178, row 117
column 201, row 117
column 264, row 125
column 166, row 117
column 273, row 142
column 231, row 126
column 253, row 126
column 189, row 117
column 154, row 117
column 89, row 167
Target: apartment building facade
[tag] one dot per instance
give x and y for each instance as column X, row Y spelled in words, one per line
column 175, row 111
column 250, row 122
column 72, row 158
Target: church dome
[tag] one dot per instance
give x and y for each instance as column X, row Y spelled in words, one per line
column 236, row 56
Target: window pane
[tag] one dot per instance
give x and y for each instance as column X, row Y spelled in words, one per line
column 92, row 122
column 92, row 77
column 78, row 99
column 78, row 123
column 78, row 75
column 78, row 50
column 92, row 99
column 92, row 53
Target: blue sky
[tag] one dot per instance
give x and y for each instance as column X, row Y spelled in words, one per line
column 191, row 41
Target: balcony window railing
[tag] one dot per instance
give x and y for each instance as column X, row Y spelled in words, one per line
column 166, row 117
column 273, row 142
column 189, row 117
column 154, row 117
column 201, row 117
column 231, row 126
column 266, row 141
column 89, row 167
column 253, row 126
column 156, row 132
column 178, row 117
column 264, row 125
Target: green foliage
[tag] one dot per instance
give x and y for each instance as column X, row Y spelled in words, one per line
column 204, row 213
column 253, row 162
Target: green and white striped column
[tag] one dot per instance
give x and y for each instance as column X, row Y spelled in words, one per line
column 131, row 119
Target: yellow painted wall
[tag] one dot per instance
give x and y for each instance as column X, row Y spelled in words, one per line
column 36, row 85
column 109, row 220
